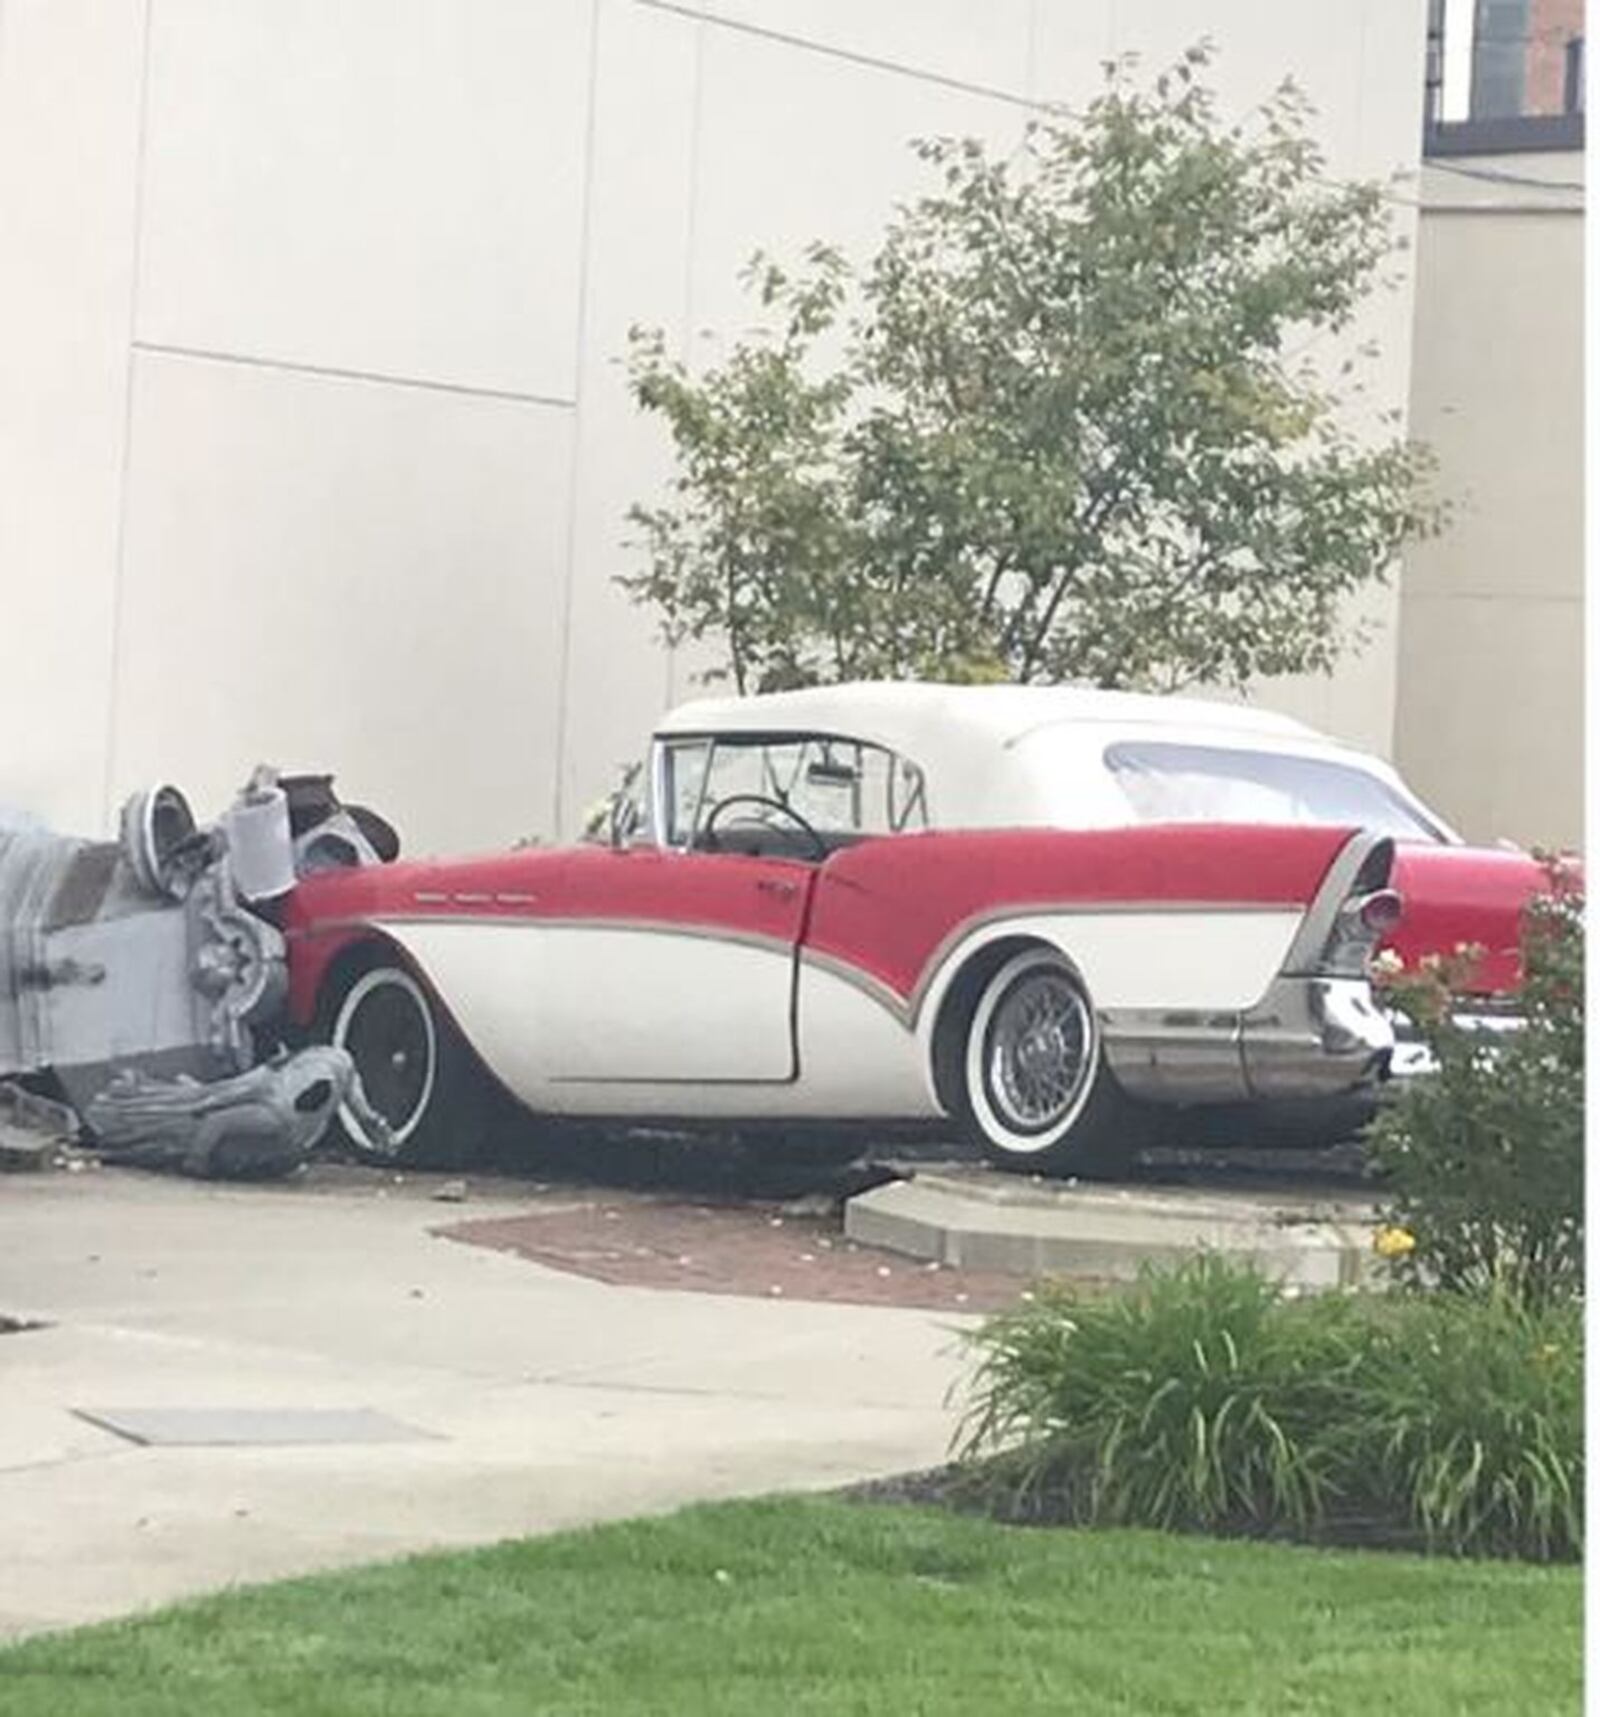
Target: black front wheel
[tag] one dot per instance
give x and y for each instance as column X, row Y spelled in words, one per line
column 415, row 1070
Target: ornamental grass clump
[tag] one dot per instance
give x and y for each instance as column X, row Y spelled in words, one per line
column 1203, row 1399
column 1197, row 1399
column 1468, row 1422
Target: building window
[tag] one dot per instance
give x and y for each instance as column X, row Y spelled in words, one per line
column 1499, row 58
column 1504, row 75
column 1572, row 81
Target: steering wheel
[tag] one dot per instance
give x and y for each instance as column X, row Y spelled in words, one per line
column 708, row 829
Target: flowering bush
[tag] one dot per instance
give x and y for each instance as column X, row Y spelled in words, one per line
column 1484, row 1157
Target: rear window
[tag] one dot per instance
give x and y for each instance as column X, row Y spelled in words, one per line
column 1176, row 783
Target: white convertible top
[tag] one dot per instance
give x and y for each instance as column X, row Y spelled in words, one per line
column 1010, row 756
column 905, row 716
column 969, row 740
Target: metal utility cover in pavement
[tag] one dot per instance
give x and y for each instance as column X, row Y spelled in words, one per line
column 244, row 1427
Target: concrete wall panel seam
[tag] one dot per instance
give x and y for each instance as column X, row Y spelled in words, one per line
column 875, row 62
column 114, row 664
column 697, row 98
column 337, row 372
column 580, row 334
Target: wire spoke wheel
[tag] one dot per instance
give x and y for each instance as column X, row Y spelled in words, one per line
column 1036, row 1092
column 1038, row 1050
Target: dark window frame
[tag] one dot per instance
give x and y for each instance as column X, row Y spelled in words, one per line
column 1529, row 133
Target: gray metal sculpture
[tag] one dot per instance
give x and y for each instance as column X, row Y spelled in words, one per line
column 145, row 976
column 262, row 1123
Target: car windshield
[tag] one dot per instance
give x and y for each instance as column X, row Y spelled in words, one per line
column 839, row 786
column 1175, row 783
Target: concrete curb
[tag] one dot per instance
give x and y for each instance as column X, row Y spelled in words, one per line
column 976, row 1219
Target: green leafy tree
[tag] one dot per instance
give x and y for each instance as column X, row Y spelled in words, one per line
column 1063, row 424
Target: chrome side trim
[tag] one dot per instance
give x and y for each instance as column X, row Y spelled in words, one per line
column 1176, row 1056
column 885, row 995
column 636, row 926
column 1315, row 1037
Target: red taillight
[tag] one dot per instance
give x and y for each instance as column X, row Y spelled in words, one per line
column 1381, row 912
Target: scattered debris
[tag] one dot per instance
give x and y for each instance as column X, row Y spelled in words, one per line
column 33, row 1129
column 450, row 1192
column 21, row 1153
column 22, row 1108
column 814, row 1204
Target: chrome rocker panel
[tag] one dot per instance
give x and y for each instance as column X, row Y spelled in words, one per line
column 1306, row 1037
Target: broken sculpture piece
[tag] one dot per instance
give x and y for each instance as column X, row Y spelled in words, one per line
column 262, row 1123
column 142, row 980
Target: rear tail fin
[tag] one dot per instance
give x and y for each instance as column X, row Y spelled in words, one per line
column 1353, row 911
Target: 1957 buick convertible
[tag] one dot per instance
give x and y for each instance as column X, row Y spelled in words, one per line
column 1035, row 912
column 1042, row 915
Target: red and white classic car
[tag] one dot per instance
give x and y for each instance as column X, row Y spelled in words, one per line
column 1042, row 914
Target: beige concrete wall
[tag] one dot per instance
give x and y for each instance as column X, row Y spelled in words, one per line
column 314, row 444
column 70, row 73
column 1489, row 722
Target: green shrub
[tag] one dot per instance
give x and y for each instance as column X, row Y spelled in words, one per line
column 1468, row 1422
column 1195, row 1399
column 1483, row 1159
column 1201, row 1398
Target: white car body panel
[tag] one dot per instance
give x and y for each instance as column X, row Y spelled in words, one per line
column 548, row 1004
column 585, row 1020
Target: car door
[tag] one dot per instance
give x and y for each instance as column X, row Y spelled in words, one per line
column 663, row 966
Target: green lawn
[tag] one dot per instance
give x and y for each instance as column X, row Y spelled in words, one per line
column 819, row 1606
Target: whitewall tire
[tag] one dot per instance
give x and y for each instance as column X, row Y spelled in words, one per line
column 415, row 1070
column 1038, row 1096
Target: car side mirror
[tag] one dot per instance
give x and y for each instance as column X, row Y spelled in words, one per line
column 624, row 821
column 625, row 818
column 614, row 820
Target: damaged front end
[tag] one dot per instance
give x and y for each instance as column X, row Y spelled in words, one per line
column 145, row 977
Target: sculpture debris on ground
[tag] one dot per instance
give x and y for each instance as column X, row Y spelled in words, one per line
column 142, row 980
column 254, row 1126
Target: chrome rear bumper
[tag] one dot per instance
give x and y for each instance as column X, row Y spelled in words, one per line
column 1412, row 1055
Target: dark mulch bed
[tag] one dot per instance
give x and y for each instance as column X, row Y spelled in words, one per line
column 974, row 1490
column 792, row 1250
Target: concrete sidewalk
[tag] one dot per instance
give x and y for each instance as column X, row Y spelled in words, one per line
column 550, row 1400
